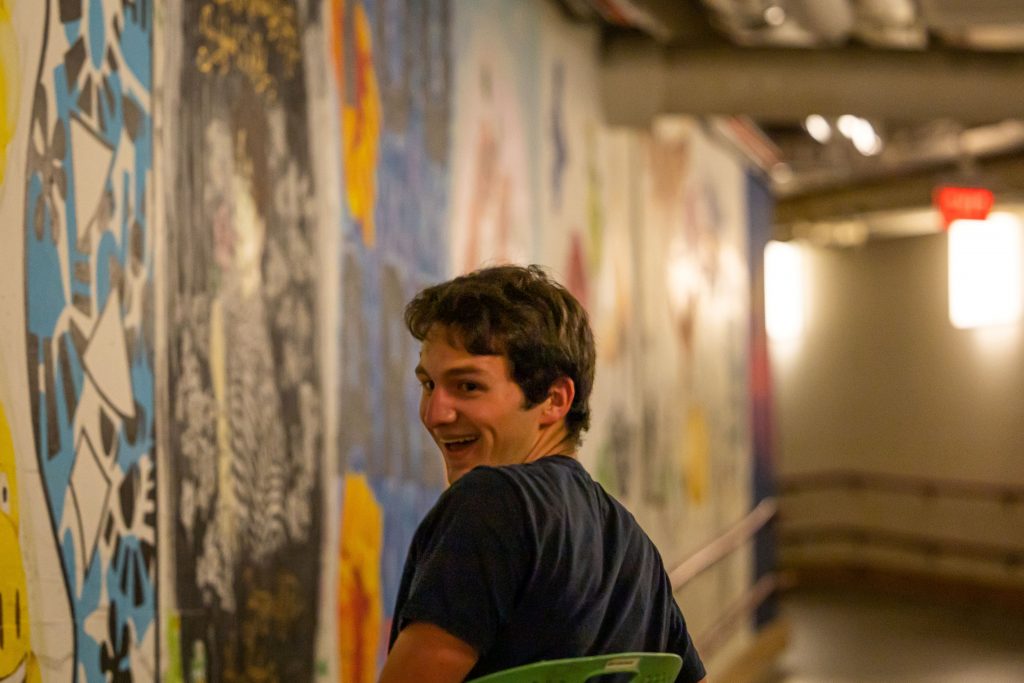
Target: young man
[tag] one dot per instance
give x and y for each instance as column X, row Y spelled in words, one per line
column 524, row 557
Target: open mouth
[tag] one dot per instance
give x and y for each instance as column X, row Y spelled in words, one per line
column 458, row 445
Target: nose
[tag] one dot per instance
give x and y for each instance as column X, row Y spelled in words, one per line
column 436, row 409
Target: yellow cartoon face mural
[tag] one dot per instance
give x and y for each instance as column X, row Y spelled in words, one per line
column 17, row 663
column 8, row 81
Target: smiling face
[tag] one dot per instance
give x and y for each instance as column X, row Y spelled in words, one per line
column 477, row 414
column 15, row 652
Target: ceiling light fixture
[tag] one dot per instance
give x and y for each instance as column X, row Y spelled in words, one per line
column 783, row 290
column 868, row 143
column 861, row 133
column 848, row 124
column 818, row 128
column 985, row 275
column 774, row 15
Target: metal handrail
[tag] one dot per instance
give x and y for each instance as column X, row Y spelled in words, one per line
column 927, row 487
column 710, row 639
column 733, row 538
column 913, row 542
column 718, row 549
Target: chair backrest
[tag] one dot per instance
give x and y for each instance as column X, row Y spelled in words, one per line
column 647, row 667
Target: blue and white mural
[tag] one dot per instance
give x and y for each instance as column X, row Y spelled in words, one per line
column 88, row 303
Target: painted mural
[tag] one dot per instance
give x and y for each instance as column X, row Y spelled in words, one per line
column 571, row 206
column 467, row 132
column 17, row 659
column 760, row 209
column 244, row 397
column 586, row 239
column 10, row 81
column 493, row 210
column 615, row 443
column 393, row 70
column 89, row 313
column 696, row 475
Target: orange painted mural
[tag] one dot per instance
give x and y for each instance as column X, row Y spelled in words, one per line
column 393, row 68
column 360, row 609
column 352, row 51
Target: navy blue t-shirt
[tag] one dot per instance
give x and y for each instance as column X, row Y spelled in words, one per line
column 536, row 561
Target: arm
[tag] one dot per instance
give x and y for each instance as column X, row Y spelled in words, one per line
column 428, row 654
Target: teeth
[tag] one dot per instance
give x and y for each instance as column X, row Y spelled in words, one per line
column 451, row 442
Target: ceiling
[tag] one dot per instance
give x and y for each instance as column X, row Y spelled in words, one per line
column 936, row 87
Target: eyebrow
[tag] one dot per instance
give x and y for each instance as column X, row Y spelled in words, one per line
column 455, row 372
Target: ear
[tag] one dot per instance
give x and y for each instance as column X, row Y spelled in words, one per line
column 559, row 400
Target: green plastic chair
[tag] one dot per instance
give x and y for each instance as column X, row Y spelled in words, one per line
column 648, row 667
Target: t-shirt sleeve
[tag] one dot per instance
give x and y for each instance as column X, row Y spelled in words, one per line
column 693, row 668
column 473, row 559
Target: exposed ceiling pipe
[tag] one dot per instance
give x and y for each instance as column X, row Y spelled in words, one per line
column 889, row 12
column 1001, row 174
column 956, row 14
column 832, row 21
column 641, row 79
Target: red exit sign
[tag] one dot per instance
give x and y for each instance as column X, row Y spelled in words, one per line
column 963, row 203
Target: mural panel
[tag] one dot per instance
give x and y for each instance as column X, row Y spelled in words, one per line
column 492, row 99
column 696, row 321
column 614, row 448
column 571, row 206
column 244, row 385
column 587, row 240
column 17, row 659
column 393, row 69
column 89, row 315
column 494, row 216
column 10, row 82
column 761, row 212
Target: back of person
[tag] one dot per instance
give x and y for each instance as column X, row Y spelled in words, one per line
column 567, row 571
column 524, row 557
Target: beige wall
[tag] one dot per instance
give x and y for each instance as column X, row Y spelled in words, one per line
column 881, row 382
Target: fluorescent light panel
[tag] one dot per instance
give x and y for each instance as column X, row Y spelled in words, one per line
column 985, row 286
column 783, row 290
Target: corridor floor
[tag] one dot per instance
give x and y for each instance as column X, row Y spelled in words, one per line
column 850, row 636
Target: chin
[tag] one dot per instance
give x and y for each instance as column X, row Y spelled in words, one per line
column 455, row 472
column 454, row 475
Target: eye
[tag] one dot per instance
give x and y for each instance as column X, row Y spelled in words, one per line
column 5, row 495
column 427, row 384
column 470, row 387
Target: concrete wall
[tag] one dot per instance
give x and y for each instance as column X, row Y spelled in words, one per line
column 882, row 383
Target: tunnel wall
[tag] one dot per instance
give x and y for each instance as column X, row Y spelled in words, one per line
column 920, row 420
column 212, row 215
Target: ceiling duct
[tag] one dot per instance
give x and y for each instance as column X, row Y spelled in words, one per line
column 641, row 79
column 832, row 21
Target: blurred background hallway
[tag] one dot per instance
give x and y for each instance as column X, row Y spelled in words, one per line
column 858, row 635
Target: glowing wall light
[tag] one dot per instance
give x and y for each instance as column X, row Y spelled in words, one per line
column 783, row 290
column 985, row 271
